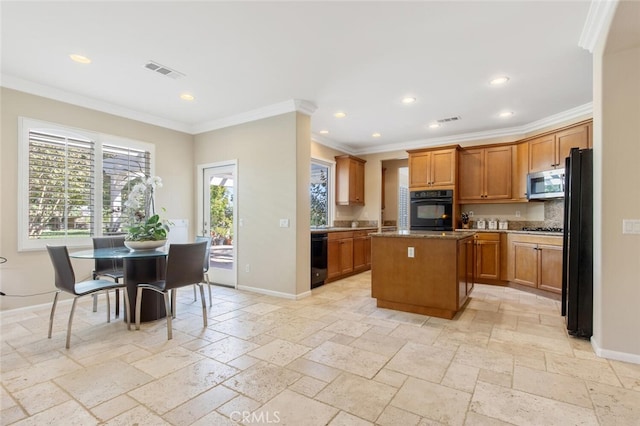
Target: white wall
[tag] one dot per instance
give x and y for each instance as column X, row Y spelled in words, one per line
column 31, row 272
column 273, row 166
column 617, row 196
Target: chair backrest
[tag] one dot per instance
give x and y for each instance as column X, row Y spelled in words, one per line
column 104, row 265
column 205, row 266
column 184, row 264
column 65, row 277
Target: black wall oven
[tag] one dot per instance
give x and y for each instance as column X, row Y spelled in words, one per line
column 432, row 210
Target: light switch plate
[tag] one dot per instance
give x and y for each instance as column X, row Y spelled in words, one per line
column 284, row 223
column 631, row 226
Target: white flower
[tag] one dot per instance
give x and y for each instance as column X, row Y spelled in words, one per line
column 155, row 182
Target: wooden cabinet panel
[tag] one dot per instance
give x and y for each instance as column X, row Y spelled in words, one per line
column 549, row 151
column 443, row 167
column 367, row 252
column 485, row 174
column 542, row 153
column 346, row 256
column 519, row 173
column 471, row 171
column 349, row 180
column 576, row 137
column 536, row 261
column 419, row 169
column 433, row 168
column 347, row 252
column 359, row 256
column 488, row 259
column 497, row 172
column 550, row 268
column 525, row 263
column 333, row 259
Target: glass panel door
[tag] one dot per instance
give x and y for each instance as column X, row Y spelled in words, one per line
column 219, row 217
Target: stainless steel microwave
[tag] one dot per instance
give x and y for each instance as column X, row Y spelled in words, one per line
column 547, row 184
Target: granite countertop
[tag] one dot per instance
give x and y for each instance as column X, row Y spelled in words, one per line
column 515, row 231
column 342, row 229
column 445, row 235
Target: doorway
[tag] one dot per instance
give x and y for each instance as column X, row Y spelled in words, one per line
column 219, row 218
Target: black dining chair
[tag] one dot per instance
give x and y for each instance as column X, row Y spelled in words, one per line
column 184, row 268
column 65, row 280
column 111, row 268
column 205, row 267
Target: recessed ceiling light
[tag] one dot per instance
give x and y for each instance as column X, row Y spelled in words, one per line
column 376, row 135
column 324, row 132
column 340, row 114
column 434, row 125
column 499, row 80
column 506, row 114
column 187, row 97
column 408, row 100
column 79, row 58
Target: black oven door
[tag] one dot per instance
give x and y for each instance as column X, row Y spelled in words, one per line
column 433, row 214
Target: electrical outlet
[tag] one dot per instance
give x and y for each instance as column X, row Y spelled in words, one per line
column 410, row 252
column 241, row 222
column 247, row 268
column 517, row 213
column 470, row 214
column 630, row 226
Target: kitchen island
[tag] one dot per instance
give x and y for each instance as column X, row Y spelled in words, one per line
column 425, row 272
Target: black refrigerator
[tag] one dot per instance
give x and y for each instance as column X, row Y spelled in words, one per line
column 577, row 259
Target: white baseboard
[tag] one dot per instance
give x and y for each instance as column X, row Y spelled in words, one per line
column 615, row 355
column 275, row 293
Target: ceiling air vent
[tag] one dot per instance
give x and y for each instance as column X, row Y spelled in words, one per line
column 161, row 69
column 447, row 120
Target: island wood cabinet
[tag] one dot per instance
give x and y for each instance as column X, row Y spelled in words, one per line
column 433, row 169
column 434, row 281
column 549, row 151
column 348, row 252
column 536, row 261
column 349, row 180
column 485, row 174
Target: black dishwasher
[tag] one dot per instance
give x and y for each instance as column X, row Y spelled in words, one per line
column 318, row 258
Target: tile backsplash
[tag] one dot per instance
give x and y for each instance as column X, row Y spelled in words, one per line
column 548, row 214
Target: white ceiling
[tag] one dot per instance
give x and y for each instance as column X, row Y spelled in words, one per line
column 358, row 57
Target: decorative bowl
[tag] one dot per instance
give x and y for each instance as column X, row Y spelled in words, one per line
column 144, row 245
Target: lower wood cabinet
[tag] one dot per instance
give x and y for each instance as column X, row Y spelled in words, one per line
column 347, row 253
column 487, row 253
column 536, row 261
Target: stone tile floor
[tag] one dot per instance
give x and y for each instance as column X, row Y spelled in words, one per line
column 333, row 358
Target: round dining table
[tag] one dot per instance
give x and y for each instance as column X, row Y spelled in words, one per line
column 140, row 266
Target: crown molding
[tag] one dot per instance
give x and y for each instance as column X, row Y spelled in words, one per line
column 600, row 14
column 16, row 83
column 332, row 144
column 515, row 132
column 291, row 105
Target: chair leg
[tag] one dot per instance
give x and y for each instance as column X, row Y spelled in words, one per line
column 138, row 300
column 204, row 306
column 106, row 294
column 73, row 309
column 117, row 302
column 127, row 308
column 53, row 311
column 206, row 278
column 95, row 301
column 173, row 302
column 169, row 316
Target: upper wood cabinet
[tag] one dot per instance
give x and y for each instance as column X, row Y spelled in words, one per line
column 549, row 151
column 433, row 168
column 349, row 180
column 485, row 174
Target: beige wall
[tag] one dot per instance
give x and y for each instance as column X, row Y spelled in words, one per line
column 31, row 272
column 617, row 197
column 273, row 167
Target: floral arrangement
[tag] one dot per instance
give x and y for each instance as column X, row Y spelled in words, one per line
column 144, row 224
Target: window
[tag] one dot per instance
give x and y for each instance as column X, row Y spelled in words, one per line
column 73, row 183
column 320, row 194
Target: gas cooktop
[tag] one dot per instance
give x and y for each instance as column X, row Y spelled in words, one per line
column 541, row 229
